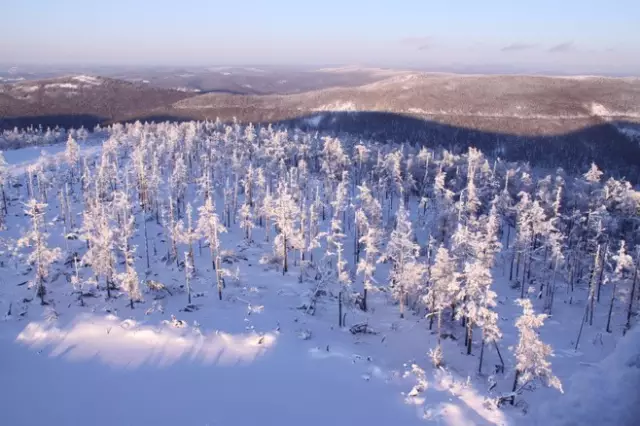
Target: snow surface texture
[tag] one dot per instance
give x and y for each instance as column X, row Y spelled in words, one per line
column 606, row 393
column 255, row 357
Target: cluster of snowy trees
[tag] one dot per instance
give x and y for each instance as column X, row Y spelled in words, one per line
column 35, row 136
column 428, row 228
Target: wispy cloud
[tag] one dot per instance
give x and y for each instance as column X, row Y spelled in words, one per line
column 420, row 43
column 562, row 47
column 515, row 47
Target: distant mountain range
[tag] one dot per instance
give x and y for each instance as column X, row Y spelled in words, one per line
column 514, row 116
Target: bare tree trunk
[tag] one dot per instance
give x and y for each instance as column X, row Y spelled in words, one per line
column 592, row 285
column 4, row 200
column 495, row 344
column 631, row 296
column 146, row 238
column 340, row 309
column 364, row 300
column 508, row 235
column 513, row 258
column 602, row 265
column 613, row 297
column 584, row 319
column 481, row 355
column 515, row 386
column 285, row 266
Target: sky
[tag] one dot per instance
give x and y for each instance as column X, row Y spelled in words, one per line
column 567, row 36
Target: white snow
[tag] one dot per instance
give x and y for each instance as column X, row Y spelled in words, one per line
column 605, row 393
column 61, row 86
column 254, row 357
column 186, row 89
column 338, row 106
column 29, row 89
column 87, row 79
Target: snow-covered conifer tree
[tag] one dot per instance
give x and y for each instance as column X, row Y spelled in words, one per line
column 129, row 278
column 441, row 294
column 406, row 274
column 101, row 240
column 41, row 256
column 285, row 213
column 624, row 266
column 246, row 219
column 188, row 275
column 210, row 227
column 72, row 155
column 178, row 182
column 530, row 352
column 187, row 234
column 335, row 248
column 371, row 241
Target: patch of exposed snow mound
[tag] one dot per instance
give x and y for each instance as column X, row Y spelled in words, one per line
column 338, row 106
column 87, row 79
column 29, row 89
column 599, row 110
column 186, row 89
column 603, row 394
column 61, row 86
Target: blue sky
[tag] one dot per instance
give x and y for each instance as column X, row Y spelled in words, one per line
column 559, row 35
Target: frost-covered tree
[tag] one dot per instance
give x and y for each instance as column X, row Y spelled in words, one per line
column 188, row 275
column 442, row 293
column 285, row 212
column 369, row 237
column 621, row 273
column 594, row 174
column 334, row 159
column 530, row 352
column 41, row 256
column 128, row 279
column 406, row 274
column 341, row 200
column 210, row 227
column 246, row 220
column 171, row 231
column 314, row 224
column 101, row 240
column 187, row 233
column 632, row 291
column 335, row 249
column 178, row 182
column 72, row 155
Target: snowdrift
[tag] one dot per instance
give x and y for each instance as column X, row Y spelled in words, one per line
column 607, row 393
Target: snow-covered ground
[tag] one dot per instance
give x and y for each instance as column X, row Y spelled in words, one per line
column 605, row 393
column 255, row 357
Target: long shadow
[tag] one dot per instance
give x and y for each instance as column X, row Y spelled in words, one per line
column 573, row 151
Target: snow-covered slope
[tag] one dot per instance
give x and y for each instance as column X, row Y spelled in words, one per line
column 271, row 350
column 605, row 393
